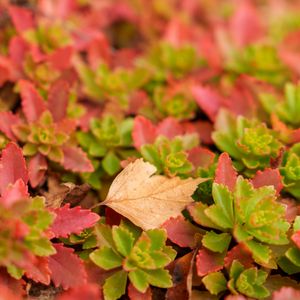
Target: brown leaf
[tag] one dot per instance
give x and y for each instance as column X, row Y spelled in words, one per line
column 146, row 200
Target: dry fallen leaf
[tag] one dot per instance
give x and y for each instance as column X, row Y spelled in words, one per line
column 148, row 201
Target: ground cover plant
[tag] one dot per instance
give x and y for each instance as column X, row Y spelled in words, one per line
column 150, row 149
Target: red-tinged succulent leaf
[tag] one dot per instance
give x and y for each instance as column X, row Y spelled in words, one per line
column 286, row 293
column 33, row 104
column 292, row 208
column 208, row 100
column 289, row 51
column 76, row 160
column 37, row 168
column 58, row 98
column 144, row 132
column 181, row 232
column 201, row 157
column 14, row 193
column 112, row 217
column 169, row 127
column 72, row 220
column 68, row 126
column 22, row 18
column 182, row 275
column 12, row 166
column 208, row 262
column 240, row 253
column 66, row 268
column 242, row 33
column 296, row 238
column 98, row 51
column 4, row 74
column 7, row 120
column 95, row 274
column 61, row 58
column 36, row 268
column 14, row 285
column 88, row 291
column 236, row 297
column 204, row 129
column 8, row 294
column 17, row 50
column 268, row 177
column 134, row 294
column 225, row 172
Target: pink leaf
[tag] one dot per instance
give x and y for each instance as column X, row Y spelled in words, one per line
column 76, row 160
column 242, row 33
column 37, row 168
column 204, row 129
column 240, row 253
column 17, row 50
column 36, row 268
column 170, row 128
column 61, row 58
column 286, row 293
column 72, row 220
column 208, row 262
column 208, row 100
column 144, row 132
column 201, row 157
column 58, row 98
column 296, row 238
column 12, row 166
column 33, row 104
column 225, row 172
column 134, row 294
column 268, row 177
column 14, row 193
column 7, row 121
column 66, row 268
column 182, row 232
column 22, row 18
column 88, row 291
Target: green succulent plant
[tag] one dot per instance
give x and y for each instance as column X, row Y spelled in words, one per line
column 135, row 255
column 250, row 142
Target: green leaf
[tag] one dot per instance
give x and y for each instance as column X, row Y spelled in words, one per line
column 14, row 271
column 159, row 278
column 106, row 258
column 215, row 283
column 123, row 240
column 216, row 242
column 111, row 163
column 139, row 279
column 115, row 286
column 293, row 254
column 157, row 237
column 261, row 253
column 40, row 247
column 296, row 225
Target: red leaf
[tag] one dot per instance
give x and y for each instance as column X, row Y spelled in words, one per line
column 12, row 166
column 291, row 210
column 58, row 98
column 225, row 172
column 14, row 285
column 201, row 157
column 33, row 104
column 286, row 293
column 144, row 132
column 242, row 33
column 72, row 220
column 7, row 294
column 204, row 129
column 14, row 193
column 182, row 275
column 37, row 168
column 88, row 291
column 4, row 75
column 66, row 268
column 36, row 268
column 134, row 294
column 182, row 232
column 112, row 217
column 76, row 160
column 240, row 253
column 17, row 50
column 170, row 128
column 7, row 121
column 22, row 18
column 208, row 100
column 296, row 238
column 208, row 262
column 268, row 177
column 61, row 58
